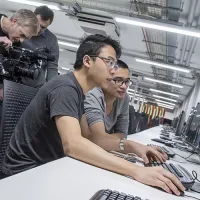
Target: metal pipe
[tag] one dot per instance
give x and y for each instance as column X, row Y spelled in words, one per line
column 189, row 23
column 194, row 40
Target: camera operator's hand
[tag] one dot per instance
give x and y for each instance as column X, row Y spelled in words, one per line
column 6, row 42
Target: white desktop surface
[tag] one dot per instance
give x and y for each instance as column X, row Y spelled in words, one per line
column 70, row 179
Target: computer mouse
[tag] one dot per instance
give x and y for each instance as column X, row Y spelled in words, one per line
column 182, row 193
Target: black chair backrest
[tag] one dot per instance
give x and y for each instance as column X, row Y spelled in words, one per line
column 132, row 118
column 136, row 121
column 16, row 98
column 143, row 122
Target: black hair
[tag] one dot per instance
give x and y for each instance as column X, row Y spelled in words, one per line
column 92, row 45
column 122, row 64
column 45, row 13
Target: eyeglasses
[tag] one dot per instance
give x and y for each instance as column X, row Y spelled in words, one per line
column 120, row 82
column 111, row 63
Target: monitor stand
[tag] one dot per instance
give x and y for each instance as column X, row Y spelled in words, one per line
column 196, row 187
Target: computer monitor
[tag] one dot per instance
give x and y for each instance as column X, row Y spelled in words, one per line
column 180, row 123
column 175, row 122
column 193, row 134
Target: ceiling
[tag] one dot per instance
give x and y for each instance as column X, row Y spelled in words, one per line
column 136, row 41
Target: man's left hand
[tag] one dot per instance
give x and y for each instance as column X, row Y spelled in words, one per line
column 150, row 153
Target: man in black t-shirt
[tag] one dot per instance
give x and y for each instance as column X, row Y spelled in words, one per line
column 50, row 128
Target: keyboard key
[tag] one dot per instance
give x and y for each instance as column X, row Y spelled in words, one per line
column 176, row 170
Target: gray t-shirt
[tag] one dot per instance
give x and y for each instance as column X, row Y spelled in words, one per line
column 36, row 140
column 95, row 110
column 50, row 69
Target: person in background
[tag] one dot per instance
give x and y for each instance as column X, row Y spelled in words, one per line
column 49, row 128
column 46, row 40
column 107, row 112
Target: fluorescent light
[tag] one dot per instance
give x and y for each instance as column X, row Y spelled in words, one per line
column 32, row 3
column 136, row 98
column 163, row 82
column 167, row 66
column 133, row 94
column 159, row 26
column 131, row 90
column 157, row 96
column 68, row 44
column 168, row 93
column 173, row 104
column 165, row 106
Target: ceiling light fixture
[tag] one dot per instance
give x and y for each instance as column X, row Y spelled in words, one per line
column 158, row 100
column 33, row 3
column 157, row 96
column 159, row 26
column 162, row 65
column 163, row 82
column 162, row 92
column 68, row 44
column 165, row 106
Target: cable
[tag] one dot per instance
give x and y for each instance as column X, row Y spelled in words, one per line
column 184, row 157
column 191, row 197
column 178, row 161
column 194, row 174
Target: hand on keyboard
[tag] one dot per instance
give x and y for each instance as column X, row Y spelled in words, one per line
column 165, row 156
column 159, row 177
column 150, row 153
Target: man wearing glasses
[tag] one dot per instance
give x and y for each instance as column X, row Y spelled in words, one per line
column 46, row 40
column 107, row 112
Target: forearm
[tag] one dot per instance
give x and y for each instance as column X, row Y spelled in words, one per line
column 110, row 142
column 90, row 153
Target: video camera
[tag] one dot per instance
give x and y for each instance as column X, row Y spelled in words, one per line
column 21, row 62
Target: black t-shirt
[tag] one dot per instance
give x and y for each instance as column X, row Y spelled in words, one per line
column 36, row 139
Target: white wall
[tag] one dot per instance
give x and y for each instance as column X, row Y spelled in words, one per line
column 169, row 115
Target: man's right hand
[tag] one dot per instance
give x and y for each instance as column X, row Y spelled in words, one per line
column 159, row 177
column 6, row 42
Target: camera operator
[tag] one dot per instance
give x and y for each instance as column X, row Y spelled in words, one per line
column 22, row 25
column 45, row 39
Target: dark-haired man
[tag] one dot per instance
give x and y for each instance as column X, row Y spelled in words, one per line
column 49, row 128
column 47, row 40
column 107, row 112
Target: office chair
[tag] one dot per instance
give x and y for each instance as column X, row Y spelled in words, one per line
column 132, row 118
column 16, row 98
column 143, row 122
column 155, row 122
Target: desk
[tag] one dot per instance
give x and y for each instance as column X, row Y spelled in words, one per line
column 73, row 180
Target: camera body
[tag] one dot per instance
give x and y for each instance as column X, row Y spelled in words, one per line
column 21, row 62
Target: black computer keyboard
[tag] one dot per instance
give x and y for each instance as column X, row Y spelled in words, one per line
column 158, row 140
column 180, row 172
column 168, row 151
column 113, row 195
column 165, row 138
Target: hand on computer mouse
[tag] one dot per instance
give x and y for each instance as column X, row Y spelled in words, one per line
column 159, row 177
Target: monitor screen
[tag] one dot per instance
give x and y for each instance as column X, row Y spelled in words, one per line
column 193, row 134
column 180, row 123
